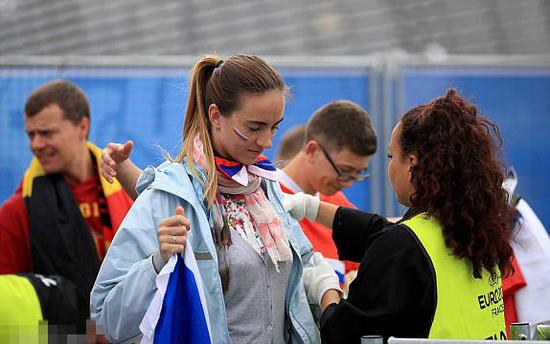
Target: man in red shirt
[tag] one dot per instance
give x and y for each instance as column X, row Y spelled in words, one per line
column 338, row 144
column 63, row 215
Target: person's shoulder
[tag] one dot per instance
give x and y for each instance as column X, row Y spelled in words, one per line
column 167, row 174
column 13, row 204
column 337, row 199
column 396, row 246
column 397, row 236
column 15, row 201
column 13, row 209
column 171, row 179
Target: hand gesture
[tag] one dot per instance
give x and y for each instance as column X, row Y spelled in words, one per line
column 113, row 155
column 172, row 234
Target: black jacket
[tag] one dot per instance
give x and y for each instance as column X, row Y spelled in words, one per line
column 394, row 292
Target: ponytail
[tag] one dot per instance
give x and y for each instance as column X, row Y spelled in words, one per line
column 197, row 123
column 214, row 81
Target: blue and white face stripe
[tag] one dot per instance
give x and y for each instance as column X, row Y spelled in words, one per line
column 240, row 134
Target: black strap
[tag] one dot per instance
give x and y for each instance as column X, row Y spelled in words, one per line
column 61, row 242
column 102, row 205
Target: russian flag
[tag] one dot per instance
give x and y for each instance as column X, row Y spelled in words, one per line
column 178, row 312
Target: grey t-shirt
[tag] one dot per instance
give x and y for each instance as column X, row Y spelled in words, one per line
column 255, row 299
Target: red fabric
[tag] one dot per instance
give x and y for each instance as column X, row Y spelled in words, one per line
column 15, row 250
column 15, row 245
column 510, row 285
column 118, row 204
column 90, row 198
column 320, row 235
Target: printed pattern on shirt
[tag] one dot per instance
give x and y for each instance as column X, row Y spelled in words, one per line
column 239, row 220
column 93, row 206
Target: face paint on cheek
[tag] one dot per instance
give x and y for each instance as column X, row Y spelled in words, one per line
column 241, row 135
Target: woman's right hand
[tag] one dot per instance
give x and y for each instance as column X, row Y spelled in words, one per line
column 172, row 234
column 112, row 156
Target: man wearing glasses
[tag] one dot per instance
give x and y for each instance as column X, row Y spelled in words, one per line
column 339, row 143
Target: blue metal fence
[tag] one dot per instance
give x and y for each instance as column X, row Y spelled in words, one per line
column 517, row 99
column 147, row 104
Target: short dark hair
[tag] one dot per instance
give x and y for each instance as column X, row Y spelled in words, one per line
column 291, row 143
column 69, row 97
column 342, row 124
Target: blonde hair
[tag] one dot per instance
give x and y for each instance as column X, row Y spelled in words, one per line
column 215, row 81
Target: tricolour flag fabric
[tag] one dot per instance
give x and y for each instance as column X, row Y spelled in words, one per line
column 178, row 312
column 261, row 167
column 339, row 268
column 531, row 245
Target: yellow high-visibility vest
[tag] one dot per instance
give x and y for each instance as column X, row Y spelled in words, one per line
column 20, row 312
column 466, row 307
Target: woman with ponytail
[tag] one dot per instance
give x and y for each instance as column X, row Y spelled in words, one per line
column 437, row 272
column 220, row 195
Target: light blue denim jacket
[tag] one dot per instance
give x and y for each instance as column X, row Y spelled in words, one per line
column 125, row 284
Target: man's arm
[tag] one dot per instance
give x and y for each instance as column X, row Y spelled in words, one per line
column 128, row 174
column 115, row 162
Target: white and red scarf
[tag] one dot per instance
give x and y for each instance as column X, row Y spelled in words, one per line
column 235, row 178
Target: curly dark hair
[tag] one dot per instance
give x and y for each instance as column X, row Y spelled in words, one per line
column 458, row 179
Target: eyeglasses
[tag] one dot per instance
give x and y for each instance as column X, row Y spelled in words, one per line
column 344, row 178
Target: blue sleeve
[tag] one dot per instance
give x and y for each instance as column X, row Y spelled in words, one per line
column 146, row 177
column 125, row 284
